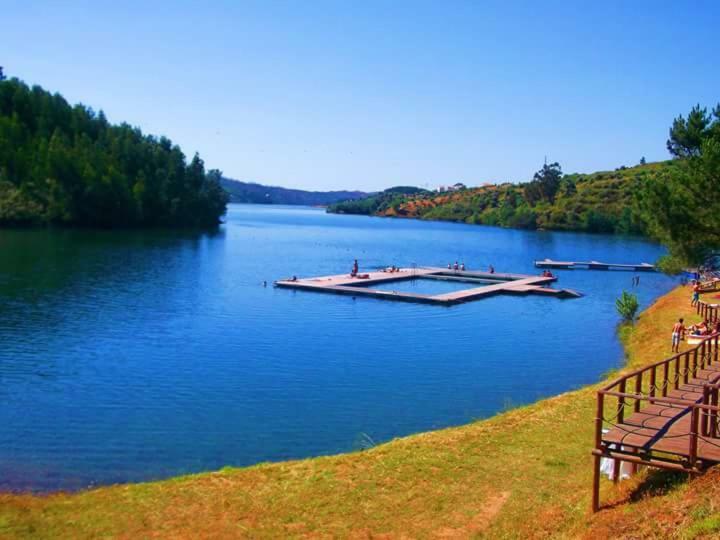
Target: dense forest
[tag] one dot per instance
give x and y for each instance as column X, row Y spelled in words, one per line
column 598, row 202
column 66, row 164
column 250, row 192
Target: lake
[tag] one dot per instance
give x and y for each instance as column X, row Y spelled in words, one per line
column 137, row 355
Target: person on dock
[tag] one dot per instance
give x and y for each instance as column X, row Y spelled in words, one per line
column 491, row 269
column 678, row 333
column 449, row 266
column 456, row 266
column 355, row 269
column 462, row 267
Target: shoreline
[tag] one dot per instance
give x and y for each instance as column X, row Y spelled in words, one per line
column 526, row 462
column 648, row 238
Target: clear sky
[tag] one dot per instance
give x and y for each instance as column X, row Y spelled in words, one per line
column 364, row 94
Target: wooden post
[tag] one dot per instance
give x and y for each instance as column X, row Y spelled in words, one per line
column 713, row 414
column 599, row 413
column 652, row 381
column 693, row 436
column 705, row 412
column 621, row 404
column 638, row 390
column 687, row 367
column 596, row 485
column 616, row 470
column 694, row 362
column 666, row 379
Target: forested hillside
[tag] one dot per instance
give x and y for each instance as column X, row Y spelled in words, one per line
column 68, row 165
column 250, row 192
column 377, row 203
column 598, row 202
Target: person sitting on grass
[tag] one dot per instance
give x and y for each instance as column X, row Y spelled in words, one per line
column 678, row 332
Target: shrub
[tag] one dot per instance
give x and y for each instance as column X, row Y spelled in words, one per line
column 627, row 306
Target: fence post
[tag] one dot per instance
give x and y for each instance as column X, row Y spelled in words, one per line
column 653, row 377
column 713, row 413
column 599, row 413
column 693, row 436
column 705, row 412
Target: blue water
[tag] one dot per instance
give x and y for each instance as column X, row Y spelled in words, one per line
column 137, row 355
column 424, row 286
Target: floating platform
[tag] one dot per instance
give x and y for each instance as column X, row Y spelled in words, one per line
column 485, row 284
column 593, row 265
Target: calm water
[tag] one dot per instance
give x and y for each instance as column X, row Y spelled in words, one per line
column 131, row 356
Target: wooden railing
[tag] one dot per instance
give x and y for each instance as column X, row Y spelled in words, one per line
column 650, row 385
column 707, row 311
column 709, row 286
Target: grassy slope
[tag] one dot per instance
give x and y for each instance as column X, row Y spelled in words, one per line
column 524, row 473
column 606, row 192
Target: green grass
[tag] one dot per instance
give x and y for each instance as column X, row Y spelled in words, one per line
column 525, row 473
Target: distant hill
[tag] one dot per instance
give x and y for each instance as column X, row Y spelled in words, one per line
column 250, row 192
column 598, row 202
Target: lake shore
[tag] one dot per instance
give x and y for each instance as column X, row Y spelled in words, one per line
column 523, row 473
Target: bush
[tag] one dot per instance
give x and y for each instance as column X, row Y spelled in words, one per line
column 627, row 306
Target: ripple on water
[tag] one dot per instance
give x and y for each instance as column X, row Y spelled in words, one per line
column 137, row 355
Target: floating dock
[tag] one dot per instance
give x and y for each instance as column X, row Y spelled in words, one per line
column 483, row 284
column 593, row 265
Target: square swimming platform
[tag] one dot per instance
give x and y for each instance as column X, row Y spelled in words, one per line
column 416, row 285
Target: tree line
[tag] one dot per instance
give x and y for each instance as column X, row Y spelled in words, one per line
column 682, row 207
column 598, row 202
column 676, row 202
column 63, row 164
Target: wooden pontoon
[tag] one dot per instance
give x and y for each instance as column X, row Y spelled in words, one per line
column 484, row 284
column 593, row 265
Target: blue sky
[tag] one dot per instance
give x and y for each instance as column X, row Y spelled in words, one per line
column 344, row 95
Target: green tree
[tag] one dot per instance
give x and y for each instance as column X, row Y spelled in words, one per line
column 545, row 184
column 682, row 206
column 627, row 306
column 687, row 135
